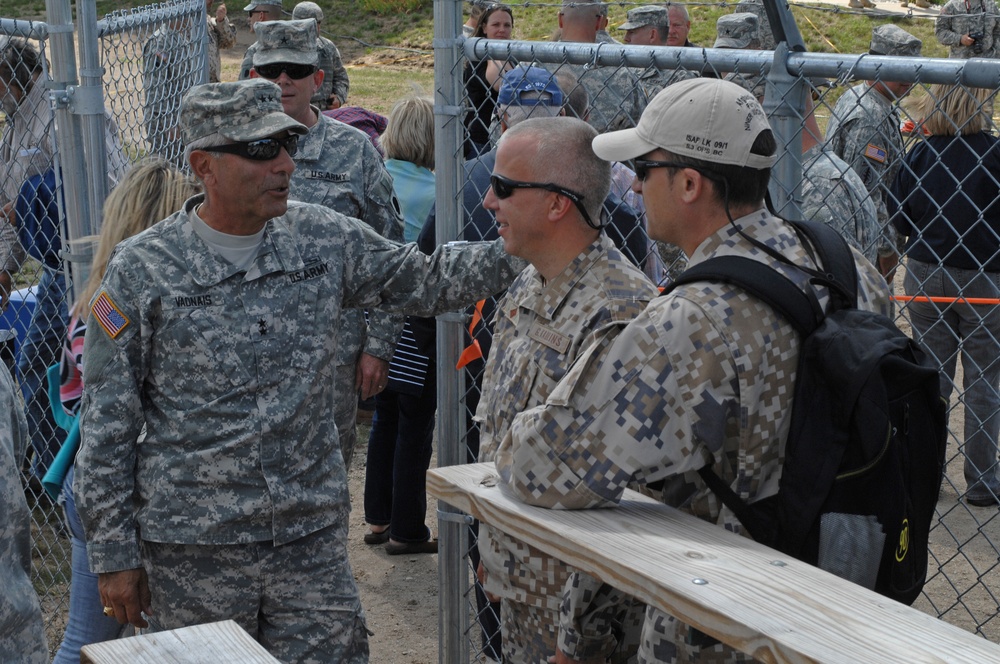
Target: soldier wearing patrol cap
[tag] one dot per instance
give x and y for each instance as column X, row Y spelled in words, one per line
column 338, row 167
column 210, row 482
column 742, row 30
column 336, row 84
column 258, row 12
column 864, row 132
column 647, row 25
column 702, row 377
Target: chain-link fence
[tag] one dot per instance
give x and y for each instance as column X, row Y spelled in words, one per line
column 899, row 154
column 69, row 134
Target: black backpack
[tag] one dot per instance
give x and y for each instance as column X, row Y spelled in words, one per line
column 865, row 453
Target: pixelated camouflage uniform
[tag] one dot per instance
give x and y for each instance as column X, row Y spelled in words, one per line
column 864, row 132
column 712, row 391
column 337, row 167
column 167, row 72
column 959, row 18
column 219, row 37
column 540, row 329
column 653, row 80
column 22, row 636
column 834, row 194
column 226, row 375
column 616, row 100
column 335, row 80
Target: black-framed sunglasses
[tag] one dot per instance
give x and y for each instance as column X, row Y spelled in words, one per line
column 295, row 71
column 642, row 167
column 504, row 188
column 263, row 149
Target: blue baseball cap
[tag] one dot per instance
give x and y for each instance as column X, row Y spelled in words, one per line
column 529, row 86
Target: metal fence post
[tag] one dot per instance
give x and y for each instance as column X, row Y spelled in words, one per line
column 76, row 191
column 448, row 134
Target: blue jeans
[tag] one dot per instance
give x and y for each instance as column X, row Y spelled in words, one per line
column 399, row 452
column 42, row 345
column 87, row 623
column 946, row 330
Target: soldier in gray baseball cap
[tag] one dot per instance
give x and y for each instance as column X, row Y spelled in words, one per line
column 890, row 39
column 738, row 31
column 217, row 334
column 305, row 10
column 646, row 25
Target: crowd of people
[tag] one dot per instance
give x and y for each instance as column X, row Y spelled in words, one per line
column 273, row 262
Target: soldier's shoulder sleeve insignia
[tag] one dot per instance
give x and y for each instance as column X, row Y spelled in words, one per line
column 875, row 153
column 110, row 317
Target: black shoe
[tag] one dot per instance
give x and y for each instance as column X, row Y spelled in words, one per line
column 405, row 548
column 984, row 501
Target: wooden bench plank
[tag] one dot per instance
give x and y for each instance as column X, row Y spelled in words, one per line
column 753, row 598
column 211, row 643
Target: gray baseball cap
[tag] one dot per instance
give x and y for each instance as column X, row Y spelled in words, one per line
column 241, row 111
column 737, row 31
column 286, row 41
column 270, row 3
column 308, row 10
column 645, row 15
column 891, row 39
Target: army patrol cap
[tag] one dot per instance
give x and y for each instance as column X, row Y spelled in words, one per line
column 292, row 42
column 703, row 118
column 737, row 30
column 529, row 86
column 272, row 3
column 645, row 15
column 305, row 10
column 891, row 39
column 241, row 111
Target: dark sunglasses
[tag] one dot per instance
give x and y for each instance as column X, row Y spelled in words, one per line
column 263, row 149
column 642, row 167
column 504, row 188
column 295, row 71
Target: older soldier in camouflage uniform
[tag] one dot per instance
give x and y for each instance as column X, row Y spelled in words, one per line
column 221, row 34
column 692, row 380
column 864, row 132
column 22, row 635
column 649, row 25
column 336, row 84
column 579, row 292
column 969, row 28
column 209, row 480
column 615, row 97
column 742, row 31
column 337, row 167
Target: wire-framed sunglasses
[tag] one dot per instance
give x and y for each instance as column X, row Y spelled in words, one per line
column 264, row 149
column 504, row 188
column 295, row 71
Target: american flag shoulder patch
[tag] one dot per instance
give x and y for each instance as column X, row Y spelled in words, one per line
column 876, row 153
column 109, row 316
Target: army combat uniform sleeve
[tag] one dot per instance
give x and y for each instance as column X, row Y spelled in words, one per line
column 116, row 354
column 337, row 81
column 383, row 214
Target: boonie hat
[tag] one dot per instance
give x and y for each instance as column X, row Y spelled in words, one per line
column 737, row 30
column 270, row 3
column 241, row 111
column 891, row 39
column 645, row 15
column 286, row 41
column 703, row 118
column 308, row 10
column 529, row 86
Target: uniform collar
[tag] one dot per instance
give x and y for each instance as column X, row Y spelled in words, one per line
column 545, row 299
column 278, row 252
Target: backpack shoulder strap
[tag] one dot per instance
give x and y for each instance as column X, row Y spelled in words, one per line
column 760, row 281
column 835, row 259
